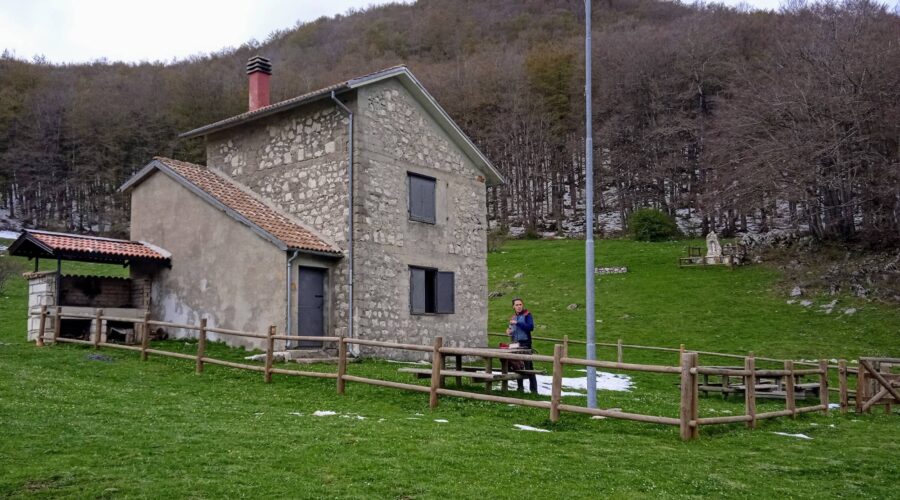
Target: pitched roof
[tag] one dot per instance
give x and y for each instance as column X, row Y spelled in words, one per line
column 33, row 243
column 238, row 203
column 406, row 78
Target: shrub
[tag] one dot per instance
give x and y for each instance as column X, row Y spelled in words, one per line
column 649, row 224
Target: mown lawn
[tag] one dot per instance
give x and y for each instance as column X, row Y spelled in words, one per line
column 74, row 424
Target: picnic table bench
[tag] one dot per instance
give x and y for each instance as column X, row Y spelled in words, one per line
column 766, row 386
column 484, row 373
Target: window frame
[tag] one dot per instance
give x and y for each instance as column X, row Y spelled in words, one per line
column 431, row 301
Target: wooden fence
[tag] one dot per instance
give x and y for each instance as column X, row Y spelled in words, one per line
column 688, row 370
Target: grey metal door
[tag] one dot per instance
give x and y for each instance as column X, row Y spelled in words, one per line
column 311, row 305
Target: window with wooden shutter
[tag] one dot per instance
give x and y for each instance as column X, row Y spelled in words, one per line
column 431, row 291
column 421, row 192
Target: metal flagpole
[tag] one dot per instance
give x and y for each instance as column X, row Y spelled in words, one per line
column 589, row 213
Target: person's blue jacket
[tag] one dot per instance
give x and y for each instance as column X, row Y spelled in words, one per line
column 523, row 327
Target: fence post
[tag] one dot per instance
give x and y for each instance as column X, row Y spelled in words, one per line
column 823, row 385
column 437, row 363
column 270, row 353
column 201, row 346
column 145, row 339
column 565, row 346
column 342, row 364
column 57, row 324
column 98, row 327
column 844, row 385
column 883, row 368
column 860, row 386
column 750, row 390
column 42, row 324
column 790, row 400
column 556, row 390
column 619, row 356
column 689, row 408
column 680, row 353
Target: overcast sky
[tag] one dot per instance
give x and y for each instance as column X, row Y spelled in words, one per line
column 151, row 30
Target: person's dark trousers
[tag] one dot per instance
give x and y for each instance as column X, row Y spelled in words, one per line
column 529, row 365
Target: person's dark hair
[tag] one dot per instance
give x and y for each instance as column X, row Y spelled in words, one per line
column 520, row 300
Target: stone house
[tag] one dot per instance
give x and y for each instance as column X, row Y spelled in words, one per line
column 358, row 210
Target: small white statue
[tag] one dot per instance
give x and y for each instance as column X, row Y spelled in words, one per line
column 713, row 248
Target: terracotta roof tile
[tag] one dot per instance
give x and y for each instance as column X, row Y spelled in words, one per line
column 96, row 245
column 229, row 194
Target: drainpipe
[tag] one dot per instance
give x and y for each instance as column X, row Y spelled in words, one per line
column 287, row 311
column 354, row 349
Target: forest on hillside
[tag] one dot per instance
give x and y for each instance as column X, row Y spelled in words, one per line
column 728, row 118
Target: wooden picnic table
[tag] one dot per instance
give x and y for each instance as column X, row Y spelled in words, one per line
column 766, row 386
column 483, row 373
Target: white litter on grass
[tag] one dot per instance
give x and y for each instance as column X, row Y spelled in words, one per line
column 441, row 421
column 801, row 436
column 324, row 413
column 413, row 418
column 296, row 414
column 834, row 406
column 419, row 414
column 529, row 428
column 605, row 382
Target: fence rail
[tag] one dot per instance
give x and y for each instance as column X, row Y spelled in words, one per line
column 688, row 369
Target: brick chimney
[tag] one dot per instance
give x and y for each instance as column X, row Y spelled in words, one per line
column 260, row 70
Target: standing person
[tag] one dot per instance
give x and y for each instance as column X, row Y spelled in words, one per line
column 521, row 324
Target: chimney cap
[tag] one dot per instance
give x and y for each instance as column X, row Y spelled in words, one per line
column 259, row 64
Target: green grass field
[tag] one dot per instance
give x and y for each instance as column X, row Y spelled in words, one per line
column 75, row 425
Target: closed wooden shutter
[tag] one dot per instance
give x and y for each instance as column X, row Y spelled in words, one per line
column 421, row 198
column 416, row 290
column 445, row 293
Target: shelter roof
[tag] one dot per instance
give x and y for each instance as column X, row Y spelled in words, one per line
column 47, row 244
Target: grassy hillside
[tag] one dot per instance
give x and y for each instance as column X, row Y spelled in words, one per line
column 75, row 424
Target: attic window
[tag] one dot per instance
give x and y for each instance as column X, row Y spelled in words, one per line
column 431, row 291
column 421, row 198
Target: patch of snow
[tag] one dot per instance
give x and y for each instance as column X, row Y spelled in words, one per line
column 805, row 303
column 296, row 414
column 409, row 362
column 605, row 382
column 529, row 428
column 834, row 406
column 800, row 436
column 413, row 418
column 850, row 311
column 792, row 301
column 9, row 235
column 441, row 421
column 324, row 413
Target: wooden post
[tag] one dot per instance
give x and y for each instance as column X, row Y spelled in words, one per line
column 844, row 386
column 823, row 385
column 201, row 346
column 790, row 400
column 680, row 353
column 689, row 409
column 42, row 324
column 57, row 324
column 145, row 339
column 342, row 364
column 884, row 368
column 270, row 353
column 556, row 391
column 750, row 390
column 565, row 346
column 619, row 351
column 860, row 387
column 437, row 362
column 98, row 327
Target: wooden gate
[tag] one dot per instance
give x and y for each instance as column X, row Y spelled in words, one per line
column 876, row 384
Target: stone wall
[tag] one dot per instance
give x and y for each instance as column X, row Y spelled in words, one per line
column 41, row 292
column 397, row 137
